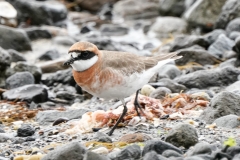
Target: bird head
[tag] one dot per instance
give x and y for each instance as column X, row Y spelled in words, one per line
column 82, row 55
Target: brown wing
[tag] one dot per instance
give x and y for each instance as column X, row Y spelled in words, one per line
column 127, row 63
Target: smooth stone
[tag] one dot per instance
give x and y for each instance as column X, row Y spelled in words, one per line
column 152, row 155
column 129, row 152
column 233, row 25
column 236, row 157
column 230, row 10
column 94, row 156
column 227, row 63
column 69, row 151
column 164, row 26
column 185, row 41
column 233, row 151
column 19, row 79
column 182, row 135
column 32, row 92
column 171, row 153
column 68, row 95
column 228, row 121
column 200, row 148
column 170, row 84
column 221, row 46
column 46, row 117
column 200, row 157
column 207, row 78
column 16, row 56
column 204, row 13
column 5, row 60
column 234, row 35
column 12, row 38
column 160, row 92
column 64, row 40
column 4, row 137
column 25, row 130
column 222, row 104
column 159, row 147
column 233, row 87
column 60, row 121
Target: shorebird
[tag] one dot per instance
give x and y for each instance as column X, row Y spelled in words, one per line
column 113, row 74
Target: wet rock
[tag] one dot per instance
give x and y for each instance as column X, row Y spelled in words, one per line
column 102, row 137
column 94, row 156
column 12, row 38
column 25, row 130
column 134, row 137
column 230, row 10
column 173, row 8
column 211, row 37
column 169, row 70
column 207, row 78
column 170, row 84
column 32, row 92
column 228, row 121
column 202, row 57
column 234, row 35
column 5, row 60
column 160, row 92
column 50, row 55
column 200, row 148
column 182, row 135
column 131, row 9
column 159, row 147
column 204, row 13
column 19, row 79
column 4, row 137
column 222, row 104
column 64, row 40
column 113, row 30
column 181, row 42
column 37, row 33
column 221, row 46
column 164, row 26
column 64, row 76
column 46, row 117
column 16, row 56
column 38, row 13
column 24, row 66
column 129, row 152
column 171, row 153
column 70, row 151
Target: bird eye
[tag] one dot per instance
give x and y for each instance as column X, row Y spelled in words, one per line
column 85, row 54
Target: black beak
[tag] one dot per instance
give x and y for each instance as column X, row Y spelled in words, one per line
column 68, row 62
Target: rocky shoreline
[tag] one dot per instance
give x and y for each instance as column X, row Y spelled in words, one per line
column 44, row 114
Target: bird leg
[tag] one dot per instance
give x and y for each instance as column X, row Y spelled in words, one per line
column 119, row 119
column 137, row 105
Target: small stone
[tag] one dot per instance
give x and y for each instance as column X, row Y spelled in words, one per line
column 37, row 33
column 4, row 137
column 182, row 135
column 19, row 79
column 233, row 151
column 102, row 137
column 94, row 156
column 134, row 137
column 159, row 147
column 200, row 148
column 25, row 130
column 152, row 155
column 169, row 70
column 173, row 8
column 50, row 55
column 233, row 26
column 101, row 150
column 147, row 90
column 64, row 40
column 211, row 37
column 234, row 35
column 113, row 30
column 160, row 92
column 129, row 152
column 228, row 121
column 60, row 120
column 221, row 46
column 16, row 56
column 5, row 59
column 69, row 151
column 31, row 92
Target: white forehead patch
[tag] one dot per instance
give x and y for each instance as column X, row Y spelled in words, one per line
column 82, row 65
column 74, row 54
